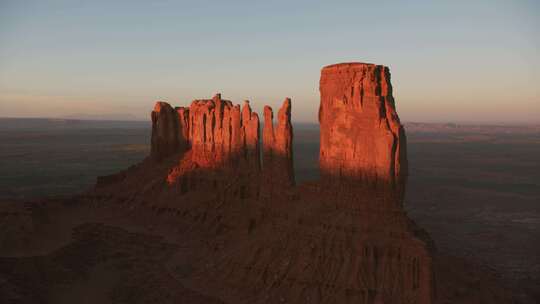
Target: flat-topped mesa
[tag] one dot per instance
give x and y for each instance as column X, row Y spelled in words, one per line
column 277, row 148
column 362, row 140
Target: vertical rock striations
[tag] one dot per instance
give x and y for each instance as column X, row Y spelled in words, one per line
column 219, row 144
column 183, row 128
column 283, row 137
column 216, row 135
column 341, row 245
column 212, row 126
column 223, row 153
column 346, row 247
column 277, row 149
column 165, row 131
column 362, row 140
column 251, row 135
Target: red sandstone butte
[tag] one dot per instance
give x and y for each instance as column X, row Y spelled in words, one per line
column 362, row 139
column 265, row 240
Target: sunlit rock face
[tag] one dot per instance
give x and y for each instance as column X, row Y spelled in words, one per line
column 343, row 239
column 362, row 140
column 223, row 148
column 217, row 147
column 219, row 131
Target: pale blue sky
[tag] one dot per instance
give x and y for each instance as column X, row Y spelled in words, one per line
column 450, row 61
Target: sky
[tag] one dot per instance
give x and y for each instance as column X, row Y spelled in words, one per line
column 451, row 61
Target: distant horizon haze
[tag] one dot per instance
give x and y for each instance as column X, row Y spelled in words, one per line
column 114, row 118
column 451, row 61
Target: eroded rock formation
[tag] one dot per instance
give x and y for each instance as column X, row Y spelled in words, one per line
column 202, row 220
column 344, row 239
column 277, row 148
column 363, row 143
column 218, row 144
column 306, row 241
column 223, row 141
column 167, row 134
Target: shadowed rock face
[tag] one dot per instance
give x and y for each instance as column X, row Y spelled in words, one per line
column 277, row 149
column 352, row 238
column 223, row 141
column 201, row 221
column 344, row 239
column 363, row 143
column 167, row 134
column 223, row 148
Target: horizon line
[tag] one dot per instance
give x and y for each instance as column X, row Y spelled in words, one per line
column 442, row 122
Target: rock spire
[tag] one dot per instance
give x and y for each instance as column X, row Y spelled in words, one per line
column 277, row 148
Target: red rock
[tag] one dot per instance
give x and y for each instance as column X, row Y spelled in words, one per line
column 250, row 126
column 268, row 130
column 283, row 135
column 220, row 127
column 165, row 131
column 362, row 139
column 183, row 128
column 222, row 148
column 277, row 149
column 260, row 246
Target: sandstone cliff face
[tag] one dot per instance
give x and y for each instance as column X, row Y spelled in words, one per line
column 217, row 145
column 362, row 140
column 166, row 132
column 222, row 129
column 269, row 240
column 223, row 141
column 277, row 149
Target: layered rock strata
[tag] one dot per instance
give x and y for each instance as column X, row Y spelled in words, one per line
column 363, row 143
